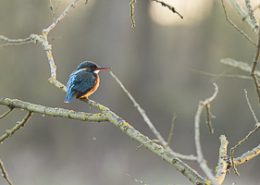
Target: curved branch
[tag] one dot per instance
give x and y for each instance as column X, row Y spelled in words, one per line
column 107, row 115
column 4, row 173
column 201, row 160
column 20, row 124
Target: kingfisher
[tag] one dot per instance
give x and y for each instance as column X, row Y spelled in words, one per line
column 84, row 81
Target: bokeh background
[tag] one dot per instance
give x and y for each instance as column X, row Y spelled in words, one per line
column 160, row 61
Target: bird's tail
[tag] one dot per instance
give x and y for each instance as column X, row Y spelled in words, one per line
column 69, row 97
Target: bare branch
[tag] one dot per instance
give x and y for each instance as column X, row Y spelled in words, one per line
column 209, row 115
column 238, row 64
column 107, row 115
column 247, row 156
column 6, row 113
column 232, row 150
column 201, row 160
column 235, row 26
column 235, row 4
column 132, row 12
column 169, row 7
column 251, row 14
column 250, row 107
column 20, row 124
column 61, row 16
column 4, row 173
column 254, row 64
column 14, row 42
column 222, row 75
column 50, row 111
column 149, row 122
column 171, row 129
column 221, row 169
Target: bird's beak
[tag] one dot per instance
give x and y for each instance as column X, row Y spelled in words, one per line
column 103, row 68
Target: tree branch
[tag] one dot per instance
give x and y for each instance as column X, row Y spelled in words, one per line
column 234, row 25
column 149, row 122
column 169, row 7
column 200, row 157
column 107, row 115
column 222, row 166
column 19, row 125
column 4, row 173
column 247, row 156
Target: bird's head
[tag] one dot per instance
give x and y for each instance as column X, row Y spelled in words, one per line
column 91, row 67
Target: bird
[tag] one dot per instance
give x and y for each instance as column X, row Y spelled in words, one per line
column 84, row 81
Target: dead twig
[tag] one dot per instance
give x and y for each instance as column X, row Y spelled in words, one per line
column 6, row 113
column 232, row 150
column 132, row 12
column 171, row 129
column 221, row 169
column 234, row 25
column 149, row 122
column 20, row 124
column 169, row 7
column 4, row 173
column 200, row 157
column 254, row 64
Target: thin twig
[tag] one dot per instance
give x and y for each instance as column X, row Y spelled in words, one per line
column 250, row 107
column 209, row 115
column 20, row 124
column 169, row 139
column 6, row 113
column 221, row 169
column 4, row 173
column 247, row 156
column 149, row 122
column 132, row 12
column 169, row 7
column 251, row 14
column 239, row 65
column 14, row 42
column 201, row 160
column 221, row 75
column 61, row 16
column 141, row 111
column 254, row 64
column 232, row 150
column 236, row 5
column 235, row 26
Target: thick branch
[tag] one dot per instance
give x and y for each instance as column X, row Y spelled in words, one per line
column 222, row 166
column 107, row 115
column 50, row 111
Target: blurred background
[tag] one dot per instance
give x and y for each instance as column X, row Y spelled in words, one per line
column 162, row 63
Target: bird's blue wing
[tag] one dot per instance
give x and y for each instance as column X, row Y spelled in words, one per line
column 79, row 83
column 84, row 82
